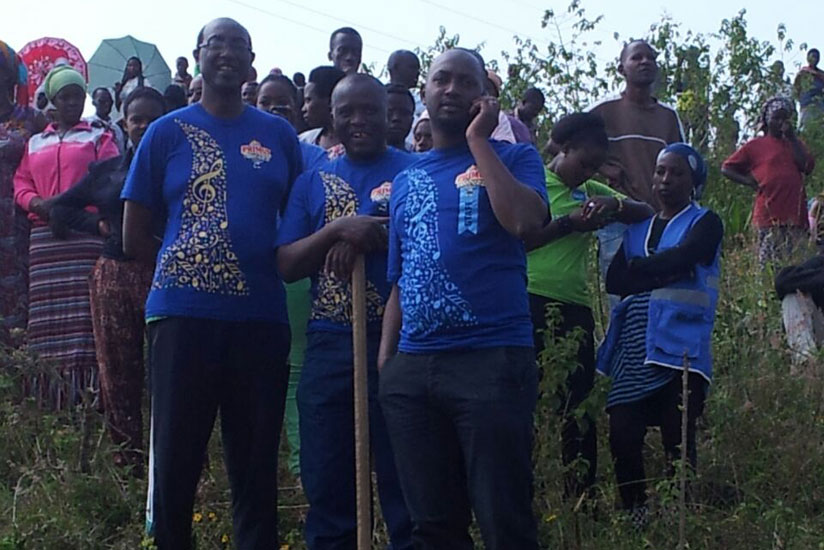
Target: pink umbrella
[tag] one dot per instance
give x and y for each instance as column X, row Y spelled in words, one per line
column 41, row 55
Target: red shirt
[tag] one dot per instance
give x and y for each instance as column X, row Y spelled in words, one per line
column 780, row 199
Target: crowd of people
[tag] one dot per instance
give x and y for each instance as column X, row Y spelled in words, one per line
column 225, row 232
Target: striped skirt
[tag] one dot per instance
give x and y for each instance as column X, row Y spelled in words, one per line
column 632, row 379
column 60, row 319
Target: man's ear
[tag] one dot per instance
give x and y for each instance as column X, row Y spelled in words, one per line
column 621, row 69
column 252, row 61
column 196, row 55
column 329, row 55
column 423, row 94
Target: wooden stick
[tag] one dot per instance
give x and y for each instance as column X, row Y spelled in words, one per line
column 362, row 470
column 682, row 500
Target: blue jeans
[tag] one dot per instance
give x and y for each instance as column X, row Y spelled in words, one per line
column 610, row 238
column 461, row 425
column 327, row 446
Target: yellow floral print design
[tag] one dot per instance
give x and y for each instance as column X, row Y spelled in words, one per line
column 334, row 296
column 201, row 257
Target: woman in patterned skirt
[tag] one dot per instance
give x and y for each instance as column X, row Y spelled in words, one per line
column 60, row 324
column 119, row 284
column 17, row 124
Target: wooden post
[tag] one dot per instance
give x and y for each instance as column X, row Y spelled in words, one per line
column 362, row 468
column 682, row 500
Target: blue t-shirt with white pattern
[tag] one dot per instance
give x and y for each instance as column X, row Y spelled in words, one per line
column 461, row 275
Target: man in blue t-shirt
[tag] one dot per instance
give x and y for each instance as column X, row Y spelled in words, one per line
column 459, row 394
column 218, row 173
column 335, row 212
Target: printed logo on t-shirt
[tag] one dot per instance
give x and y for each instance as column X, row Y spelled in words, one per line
column 381, row 193
column 471, row 178
column 468, row 184
column 380, row 196
column 335, row 151
column 256, row 152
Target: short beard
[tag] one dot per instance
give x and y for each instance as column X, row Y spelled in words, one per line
column 450, row 127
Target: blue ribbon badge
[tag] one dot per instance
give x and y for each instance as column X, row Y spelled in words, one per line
column 469, row 184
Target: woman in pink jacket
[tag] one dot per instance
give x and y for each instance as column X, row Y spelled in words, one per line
column 60, row 323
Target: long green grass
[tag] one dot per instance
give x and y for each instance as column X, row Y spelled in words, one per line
column 760, row 480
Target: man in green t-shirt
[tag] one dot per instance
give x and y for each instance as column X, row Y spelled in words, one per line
column 557, row 270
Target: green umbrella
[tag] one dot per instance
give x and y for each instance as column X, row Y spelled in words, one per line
column 107, row 64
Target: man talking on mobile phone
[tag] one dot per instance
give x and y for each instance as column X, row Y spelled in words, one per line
column 458, row 383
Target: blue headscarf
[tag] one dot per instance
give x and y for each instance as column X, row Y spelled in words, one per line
column 698, row 168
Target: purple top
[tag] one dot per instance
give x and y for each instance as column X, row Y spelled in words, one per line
column 519, row 130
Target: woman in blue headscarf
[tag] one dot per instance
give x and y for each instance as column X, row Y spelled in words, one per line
column 667, row 275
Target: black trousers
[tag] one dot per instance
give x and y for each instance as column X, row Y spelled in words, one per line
column 200, row 366
column 628, row 427
column 461, row 427
column 575, row 442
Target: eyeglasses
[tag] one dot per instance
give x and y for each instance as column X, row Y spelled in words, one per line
column 232, row 44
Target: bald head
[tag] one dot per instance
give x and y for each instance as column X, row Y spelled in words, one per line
column 225, row 58
column 359, row 115
column 221, row 22
column 468, row 59
column 456, row 79
column 359, row 84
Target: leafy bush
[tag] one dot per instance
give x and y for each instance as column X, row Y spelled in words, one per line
column 760, row 482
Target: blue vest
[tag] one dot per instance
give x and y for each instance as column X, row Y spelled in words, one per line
column 682, row 314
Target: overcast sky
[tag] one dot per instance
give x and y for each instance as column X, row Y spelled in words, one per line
column 293, row 34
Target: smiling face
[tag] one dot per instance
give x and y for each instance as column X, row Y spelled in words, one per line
column 359, row 116
column 345, row 52
column 455, row 80
column 672, row 182
column 638, row 64
column 225, row 55
column 142, row 112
